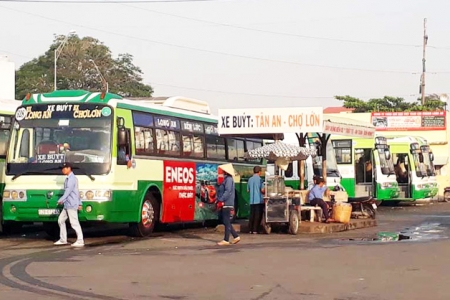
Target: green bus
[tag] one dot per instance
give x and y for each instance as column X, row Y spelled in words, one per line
column 410, row 170
column 140, row 162
column 366, row 168
column 7, row 110
column 312, row 165
column 428, row 159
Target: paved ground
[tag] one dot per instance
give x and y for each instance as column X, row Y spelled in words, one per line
column 186, row 264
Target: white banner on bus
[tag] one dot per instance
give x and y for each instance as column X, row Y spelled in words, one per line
column 338, row 128
column 270, row 120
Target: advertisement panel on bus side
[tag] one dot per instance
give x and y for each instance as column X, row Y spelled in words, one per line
column 190, row 191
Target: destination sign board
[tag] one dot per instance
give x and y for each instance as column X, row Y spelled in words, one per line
column 50, row 158
column 270, row 120
column 61, row 111
column 191, row 126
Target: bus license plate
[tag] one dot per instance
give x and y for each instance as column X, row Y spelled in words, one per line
column 48, row 212
column 374, row 205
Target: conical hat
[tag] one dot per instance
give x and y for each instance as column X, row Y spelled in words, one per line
column 228, row 168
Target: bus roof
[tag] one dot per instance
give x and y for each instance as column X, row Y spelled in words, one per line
column 409, row 139
column 171, row 106
column 179, row 106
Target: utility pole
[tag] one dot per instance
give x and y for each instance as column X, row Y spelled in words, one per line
column 425, row 40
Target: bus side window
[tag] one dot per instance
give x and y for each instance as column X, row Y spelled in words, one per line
column 192, row 145
column 231, row 149
column 215, row 147
column 124, row 146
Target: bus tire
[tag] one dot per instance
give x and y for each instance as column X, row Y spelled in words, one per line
column 149, row 217
column 9, row 228
column 51, row 229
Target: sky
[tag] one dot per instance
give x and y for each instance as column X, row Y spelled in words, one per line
column 253, row 53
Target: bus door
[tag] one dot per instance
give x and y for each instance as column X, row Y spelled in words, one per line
column 403, row 174
column 364, row 169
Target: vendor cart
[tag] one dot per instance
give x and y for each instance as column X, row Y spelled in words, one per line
column 280, row 208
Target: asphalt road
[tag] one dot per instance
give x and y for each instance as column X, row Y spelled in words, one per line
column 186, row 263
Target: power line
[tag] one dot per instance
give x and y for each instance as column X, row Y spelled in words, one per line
column 123, row 2
column 284, row 33
column 274, row 32
column 263, row 95
column 214, row 51
column 103, row 1
column 15, row 54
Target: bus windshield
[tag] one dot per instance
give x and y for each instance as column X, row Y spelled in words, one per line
column 428, row 164
column 332, row 168
column 420, row 167
column 5, row 125
column 386, row 165
column 45, row 136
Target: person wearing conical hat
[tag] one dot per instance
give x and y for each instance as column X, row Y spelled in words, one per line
column 226, row 196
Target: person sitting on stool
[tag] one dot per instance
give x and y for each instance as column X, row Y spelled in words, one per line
column 315, row 197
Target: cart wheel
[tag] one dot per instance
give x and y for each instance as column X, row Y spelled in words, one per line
column 294, row 222
column 267, row 228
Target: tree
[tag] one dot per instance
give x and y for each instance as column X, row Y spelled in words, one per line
column 392, row 104
column 76, row 70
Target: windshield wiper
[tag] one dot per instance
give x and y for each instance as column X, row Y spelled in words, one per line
column 333, row 171
column 85, row 172
column 50, row 169
column 33, row 172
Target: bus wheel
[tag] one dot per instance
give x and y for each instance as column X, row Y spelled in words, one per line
column 149, row 217
column 9, row 228
column 51, row 229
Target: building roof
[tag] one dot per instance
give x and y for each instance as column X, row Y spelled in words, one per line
column 337, row 110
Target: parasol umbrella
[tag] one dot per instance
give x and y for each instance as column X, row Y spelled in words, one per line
column 281, row 150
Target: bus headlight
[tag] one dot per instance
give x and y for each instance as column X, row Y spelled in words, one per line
column 95, row 195
column 89, row 195
column 385, row 185
column 11, row 195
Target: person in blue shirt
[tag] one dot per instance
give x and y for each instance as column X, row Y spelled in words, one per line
column 256, row 190
column 226, row 195
column 315, row 197
column 72, row 204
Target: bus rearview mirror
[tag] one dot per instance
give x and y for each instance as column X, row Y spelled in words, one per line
column 421, row 157
column 388, row 154
column 122, row 139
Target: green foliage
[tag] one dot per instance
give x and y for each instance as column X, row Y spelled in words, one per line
column 392, row 104
column 75, row 70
